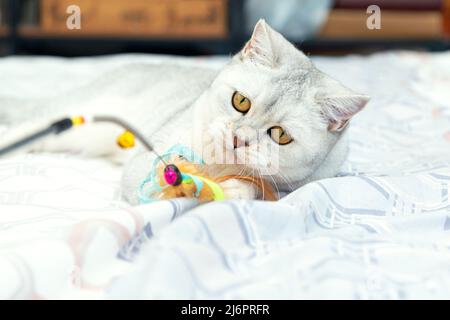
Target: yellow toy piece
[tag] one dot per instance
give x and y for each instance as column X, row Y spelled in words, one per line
column 78, row 121
column 126, row 140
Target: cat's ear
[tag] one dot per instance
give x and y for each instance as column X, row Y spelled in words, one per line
column 260, row 47
column 339, row 104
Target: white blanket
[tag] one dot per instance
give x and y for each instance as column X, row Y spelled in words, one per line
column 379, row 230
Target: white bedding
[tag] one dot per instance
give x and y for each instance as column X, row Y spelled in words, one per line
column 379, row 230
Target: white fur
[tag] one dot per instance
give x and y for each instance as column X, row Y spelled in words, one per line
column 192, row 106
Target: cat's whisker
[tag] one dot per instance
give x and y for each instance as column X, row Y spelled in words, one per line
column 288, row 182
column 259, row 176
column 262, row 185
column 241, row 172
column 275, row 185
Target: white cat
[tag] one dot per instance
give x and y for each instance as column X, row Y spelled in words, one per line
column 269, row 107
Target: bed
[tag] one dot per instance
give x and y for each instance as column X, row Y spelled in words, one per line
column 379, row 230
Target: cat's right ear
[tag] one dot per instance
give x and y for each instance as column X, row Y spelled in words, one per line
column 259, row 48
column 339, row 104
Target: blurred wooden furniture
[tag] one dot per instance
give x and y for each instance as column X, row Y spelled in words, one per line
column 446, row 16
column 411, row 24
column 149, row 18
column 400, row 19
column 4, row 24
column 112, row 26
column 3, row 31
column 395, row 24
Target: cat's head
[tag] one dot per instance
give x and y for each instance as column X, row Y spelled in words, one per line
column 272, row 108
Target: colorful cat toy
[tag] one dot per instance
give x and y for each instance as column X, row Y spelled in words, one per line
column 177, row 173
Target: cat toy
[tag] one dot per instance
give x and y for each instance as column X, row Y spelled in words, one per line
column 179, row 172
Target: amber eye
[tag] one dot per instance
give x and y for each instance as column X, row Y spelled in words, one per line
column 240, row 103
column 279, row 135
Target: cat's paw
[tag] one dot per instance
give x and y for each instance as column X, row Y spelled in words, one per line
column 238, row 190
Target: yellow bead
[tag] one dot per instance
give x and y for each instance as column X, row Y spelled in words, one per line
column 76, row 121
column 126, row 140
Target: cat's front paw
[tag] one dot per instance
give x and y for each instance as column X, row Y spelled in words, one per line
column 238, row 190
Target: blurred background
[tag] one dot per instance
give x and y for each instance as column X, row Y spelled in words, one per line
column 204, row 27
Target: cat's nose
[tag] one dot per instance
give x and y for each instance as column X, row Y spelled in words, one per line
column 237, row 142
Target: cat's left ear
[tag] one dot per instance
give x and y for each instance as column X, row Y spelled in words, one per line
column 260, row 47
column 339, row 104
